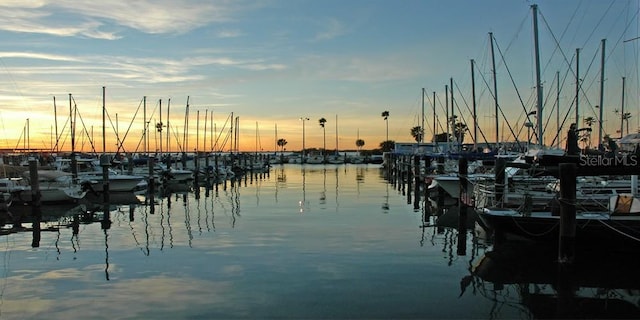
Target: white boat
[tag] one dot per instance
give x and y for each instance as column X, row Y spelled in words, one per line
column 335, row 159
column 55, row 187
column 315, row 159
column 117, row 182
column 295, row 158
column 90, row 173
column 619, row 224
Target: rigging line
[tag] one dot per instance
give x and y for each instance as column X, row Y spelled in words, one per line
column 493, row 95
column 598, row 24
column 470, row 112
column 20, row 138
column 524, row 108
column 620, row 39
column 512, row 41
column 553, row 107
column 438, row 118
column 566, row 116
column 120, row 145
column 557, row 136
column 430, row 105
column 557, row 43
column 557, row 47
column 84, row 127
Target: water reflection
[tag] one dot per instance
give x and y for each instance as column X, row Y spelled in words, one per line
column 242, row 250
column 525, row 278
column 601, row 284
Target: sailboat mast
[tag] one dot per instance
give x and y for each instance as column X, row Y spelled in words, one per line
column 144, row 123
column 55, row 115
column 434, row 120
column 577, row 85
column 186, row 128
column 622, row 116
column 231, row 133
column 204, row 141
column 446, row 108
column 159, row 126
column 495, row 87
column 453, row 116
column 197, row 131
column 168, row 132
column 558, row 133
column 73, row 129
column 473, row 103
column 422, row 117
column 104, row 141
column 538, row 80
column 336, row 134
column 600, row 129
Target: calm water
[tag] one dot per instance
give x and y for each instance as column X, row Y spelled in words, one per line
column 303, row 242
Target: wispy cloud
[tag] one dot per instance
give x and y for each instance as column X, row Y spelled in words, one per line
column 103, row 19
column 229, row 33
column 42, row 56
column 331, row 29
column 365, row 68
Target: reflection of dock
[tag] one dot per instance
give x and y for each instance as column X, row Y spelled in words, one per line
column 597, row 285
column 115, row 198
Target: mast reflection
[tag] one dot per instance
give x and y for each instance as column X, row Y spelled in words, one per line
column 599, row 284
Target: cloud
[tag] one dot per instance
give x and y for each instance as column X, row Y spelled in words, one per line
column 103, row 19
column 333, row 29
column 41, row 56
column 229, row 33
column 365, row 68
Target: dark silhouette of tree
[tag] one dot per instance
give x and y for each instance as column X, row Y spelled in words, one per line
column 322, row 121
column 385, row 115
column 387, row 146
column 417, row 133
column 281, row 144
column 459, row 130
column 359, row 144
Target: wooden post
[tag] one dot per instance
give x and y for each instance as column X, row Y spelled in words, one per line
column 129, row 163
column 36, row 213
column 416, row 187
column 464, row 203
column 566, row 247
column 410, row 174
column 440, row 166
column 104, row 163
column 500, row 166
column 151, row 181
column 216, row 170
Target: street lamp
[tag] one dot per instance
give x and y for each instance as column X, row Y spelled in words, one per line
column 303, row 119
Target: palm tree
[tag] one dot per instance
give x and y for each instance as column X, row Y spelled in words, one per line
column 417, row 133
column 359, row 144
column 589, row 121
column 385, row 115
column 281, row 144
column 386, row 146
column 322, row 121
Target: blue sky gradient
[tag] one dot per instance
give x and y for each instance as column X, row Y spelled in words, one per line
column 271, row 62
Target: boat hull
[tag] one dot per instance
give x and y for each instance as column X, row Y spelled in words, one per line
column 591, row 228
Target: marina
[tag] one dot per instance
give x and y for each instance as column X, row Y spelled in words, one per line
column 511, row 194
column 298, row 241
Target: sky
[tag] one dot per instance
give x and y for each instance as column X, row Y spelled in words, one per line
column 271, row 63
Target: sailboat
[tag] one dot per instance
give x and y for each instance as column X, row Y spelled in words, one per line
column 336, row 158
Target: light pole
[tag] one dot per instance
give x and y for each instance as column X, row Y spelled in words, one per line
column 303, row 119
